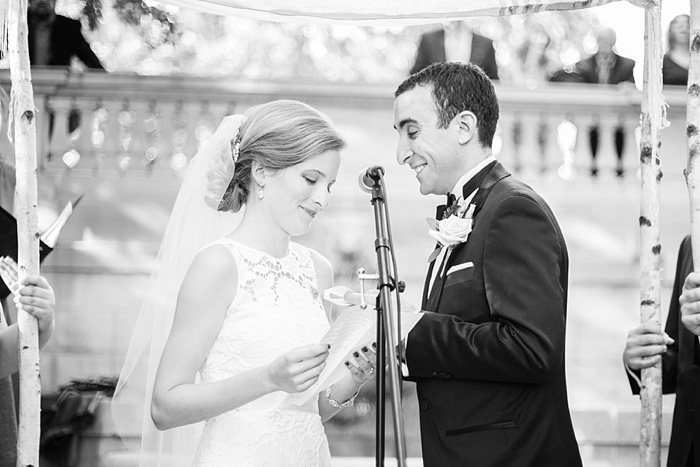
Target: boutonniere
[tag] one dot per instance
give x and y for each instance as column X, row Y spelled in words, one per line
column 454, row 227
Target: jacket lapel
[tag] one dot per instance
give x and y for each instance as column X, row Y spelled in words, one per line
column 497, row 173
column 426, row 286
column 485, row 180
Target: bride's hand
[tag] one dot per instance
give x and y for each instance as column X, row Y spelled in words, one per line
column 298, row 369
column 362, row 365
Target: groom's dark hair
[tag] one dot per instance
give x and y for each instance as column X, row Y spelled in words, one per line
column 457, row 87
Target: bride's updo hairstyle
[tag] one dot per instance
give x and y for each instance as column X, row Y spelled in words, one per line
column 277, row 135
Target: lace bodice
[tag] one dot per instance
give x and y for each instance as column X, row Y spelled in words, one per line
column 277, row 307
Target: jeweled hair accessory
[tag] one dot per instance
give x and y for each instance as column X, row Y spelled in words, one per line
column 236, row 146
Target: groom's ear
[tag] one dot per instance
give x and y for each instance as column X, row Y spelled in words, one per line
column 466, row 126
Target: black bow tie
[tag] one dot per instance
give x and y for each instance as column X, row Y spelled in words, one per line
column 451, row 199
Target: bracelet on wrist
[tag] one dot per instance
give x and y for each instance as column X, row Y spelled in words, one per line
column 338, row 405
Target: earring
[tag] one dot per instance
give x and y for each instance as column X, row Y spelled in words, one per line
column 261, row 193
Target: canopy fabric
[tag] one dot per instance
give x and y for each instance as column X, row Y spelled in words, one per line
column 381, row 12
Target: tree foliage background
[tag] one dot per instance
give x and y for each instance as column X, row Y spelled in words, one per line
column 131, row 36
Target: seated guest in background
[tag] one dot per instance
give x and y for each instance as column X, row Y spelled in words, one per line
column 456, row 42
column 677, row 58
column 605, row 66
column 54, row 39
column 647, row 345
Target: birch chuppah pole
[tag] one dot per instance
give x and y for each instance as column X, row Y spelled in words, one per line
column 692, row 171
column 650, row 281
column 15, row 43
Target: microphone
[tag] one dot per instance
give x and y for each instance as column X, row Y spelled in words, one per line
column 369, row 177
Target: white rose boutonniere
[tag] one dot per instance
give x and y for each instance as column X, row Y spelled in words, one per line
column 454, row 229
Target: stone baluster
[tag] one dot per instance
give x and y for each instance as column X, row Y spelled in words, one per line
column 111, row 147
column 607, row 142
column 206, row 125
column 529, row 152
column 83, row 141
column 180, row 135
column 42, row 129
column 136, row 121
column 585, row 163
column 154, row 134
column 630, row 154
column 551, row 156
column 567, row 135
column 191, row 112
column 126, row 118
column 58, row 139
column 508, row 153
column 165, row 144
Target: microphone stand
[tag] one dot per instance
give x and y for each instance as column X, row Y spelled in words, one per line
column 386, row 335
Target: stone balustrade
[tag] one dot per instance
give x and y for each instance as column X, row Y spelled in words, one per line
column 136, row 123
column 124, row 141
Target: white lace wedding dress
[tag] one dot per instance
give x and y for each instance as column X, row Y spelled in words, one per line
column 277, row 307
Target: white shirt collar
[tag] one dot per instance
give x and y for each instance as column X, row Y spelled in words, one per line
column 457, row 190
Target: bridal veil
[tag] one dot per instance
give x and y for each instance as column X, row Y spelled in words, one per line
column 193, row 225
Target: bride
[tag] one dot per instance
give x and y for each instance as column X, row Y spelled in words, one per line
column 244, row 329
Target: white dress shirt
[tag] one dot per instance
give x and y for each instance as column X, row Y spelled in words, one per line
column 458, row 43
column 457, row 191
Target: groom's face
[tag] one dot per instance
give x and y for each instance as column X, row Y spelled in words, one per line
column 432, row 152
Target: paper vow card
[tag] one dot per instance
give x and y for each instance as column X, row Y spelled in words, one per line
column 353, row 329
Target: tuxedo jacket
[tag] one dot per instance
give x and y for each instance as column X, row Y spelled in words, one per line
column 588, row 69
column 488, row 354
column 66, row 41
column 432, row 50
column 679, row 374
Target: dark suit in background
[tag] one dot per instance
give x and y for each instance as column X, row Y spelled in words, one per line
column 680, row 376
column 432, row 50
column 489, row 360
column 673, row 73
column 621, row 70
column 66, row 41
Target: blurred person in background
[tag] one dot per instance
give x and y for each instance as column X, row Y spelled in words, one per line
column 606, row 66
column 603, row 67
column 647, row 345
column 456, row 42
column 55, row 40
column 677, row 57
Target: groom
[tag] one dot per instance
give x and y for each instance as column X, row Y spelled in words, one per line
column 489, row 360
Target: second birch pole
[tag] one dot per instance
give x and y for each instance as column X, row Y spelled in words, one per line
column 22, row 108
column 692, row 171
column 650, row 281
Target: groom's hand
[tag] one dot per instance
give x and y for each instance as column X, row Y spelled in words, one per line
column 298, row 369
